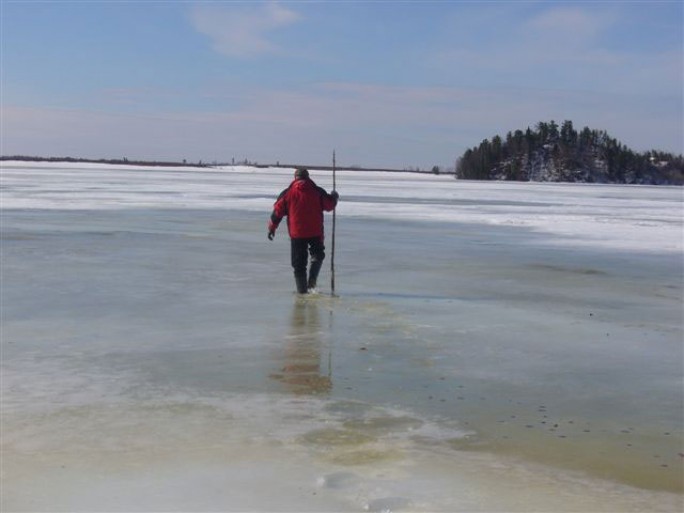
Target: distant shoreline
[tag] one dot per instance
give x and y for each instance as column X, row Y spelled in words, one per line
column 200, row 164
column 125, row 162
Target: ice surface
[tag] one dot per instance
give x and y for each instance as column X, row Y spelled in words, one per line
column 495, row 346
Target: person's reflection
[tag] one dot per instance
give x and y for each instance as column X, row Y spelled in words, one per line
column 304, row 371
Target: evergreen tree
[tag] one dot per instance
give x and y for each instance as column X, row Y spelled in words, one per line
column 588, row 155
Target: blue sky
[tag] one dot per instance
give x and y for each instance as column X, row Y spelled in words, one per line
column 385, row 83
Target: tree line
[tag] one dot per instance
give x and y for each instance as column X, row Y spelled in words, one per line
column 566, row 155
column 121, row 161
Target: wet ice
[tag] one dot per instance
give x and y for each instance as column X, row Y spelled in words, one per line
column 151, row 342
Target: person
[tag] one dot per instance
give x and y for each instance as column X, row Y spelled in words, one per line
column 303, row 202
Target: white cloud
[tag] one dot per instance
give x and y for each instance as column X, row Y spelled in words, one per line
column 563, row 48
column 572, row 25
column 240, row 31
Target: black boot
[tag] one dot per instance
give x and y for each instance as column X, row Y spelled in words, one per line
column 300, row 281
column 313, row 273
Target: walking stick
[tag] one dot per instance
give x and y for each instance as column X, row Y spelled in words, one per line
column 332, row 257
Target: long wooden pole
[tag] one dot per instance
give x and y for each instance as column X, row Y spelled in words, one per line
column 332, row 256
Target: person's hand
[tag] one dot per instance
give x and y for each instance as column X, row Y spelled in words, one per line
column 271, row 234
column 335, row 195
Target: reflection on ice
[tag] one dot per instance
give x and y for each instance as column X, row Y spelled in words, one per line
column 494, row 347
column 303, row 369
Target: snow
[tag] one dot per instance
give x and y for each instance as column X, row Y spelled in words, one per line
column 495, row 346
column 611, row 216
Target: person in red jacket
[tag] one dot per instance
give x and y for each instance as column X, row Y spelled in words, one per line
column 303, row 202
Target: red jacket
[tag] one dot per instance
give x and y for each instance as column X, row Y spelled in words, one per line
column 303, row 202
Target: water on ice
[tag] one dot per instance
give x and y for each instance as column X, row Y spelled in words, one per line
column 493, row 347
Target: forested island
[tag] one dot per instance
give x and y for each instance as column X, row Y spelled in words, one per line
column 552, row 153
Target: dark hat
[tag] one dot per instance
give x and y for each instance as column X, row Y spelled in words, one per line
column 301, row 174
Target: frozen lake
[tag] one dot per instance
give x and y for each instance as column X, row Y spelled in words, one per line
column 494, row 346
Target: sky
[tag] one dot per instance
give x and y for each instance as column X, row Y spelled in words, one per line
column 400, row 84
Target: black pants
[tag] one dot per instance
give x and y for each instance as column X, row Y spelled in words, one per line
column 300, row 251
